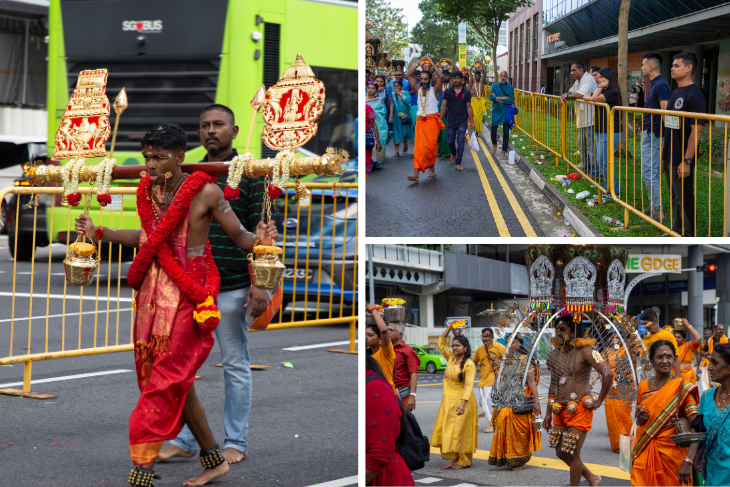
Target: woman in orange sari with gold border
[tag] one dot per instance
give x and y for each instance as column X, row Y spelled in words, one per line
column 656, row 459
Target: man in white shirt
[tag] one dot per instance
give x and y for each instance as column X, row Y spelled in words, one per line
column 584, row 85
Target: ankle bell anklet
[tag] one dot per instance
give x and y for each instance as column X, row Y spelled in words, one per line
column 212, row 457
column 554, row 438
column 142, row 477
column 570, row 441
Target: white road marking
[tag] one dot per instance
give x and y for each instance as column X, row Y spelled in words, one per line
column 339, row 482
column 60, row 296
column 429, row 480
column 71, row 377
column 67, row 314
column 318, row 345
column 465, row 485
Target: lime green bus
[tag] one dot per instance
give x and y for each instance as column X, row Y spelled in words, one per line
column 175, row 57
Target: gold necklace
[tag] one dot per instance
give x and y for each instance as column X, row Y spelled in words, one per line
column 719, row 404
column 663, row 383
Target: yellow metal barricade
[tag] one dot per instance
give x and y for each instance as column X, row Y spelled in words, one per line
column 585, row 133
column 320, row 284
column 703, row 208
column 488, row 108
column 525, row 106
column 547, row 131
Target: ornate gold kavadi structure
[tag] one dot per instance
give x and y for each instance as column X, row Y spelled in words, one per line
column 587, row 282
column 290, row 111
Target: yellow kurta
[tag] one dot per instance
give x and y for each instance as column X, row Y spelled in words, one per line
column 456, row 435
column 385, row 356
column 478, row 106
column 486, row 373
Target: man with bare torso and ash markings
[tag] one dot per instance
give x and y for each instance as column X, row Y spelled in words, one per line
column 570, row 405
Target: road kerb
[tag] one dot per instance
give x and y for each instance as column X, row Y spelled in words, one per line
column 580, row 222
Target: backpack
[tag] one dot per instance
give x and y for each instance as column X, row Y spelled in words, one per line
column 413, row 446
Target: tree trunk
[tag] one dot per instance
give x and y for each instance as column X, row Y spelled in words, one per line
column 494, row 62
column 623, row 53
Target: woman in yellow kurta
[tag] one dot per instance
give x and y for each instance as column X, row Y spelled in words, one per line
column 478, row 101
column 686, row 351
column 515, row 439
column 457, row 428
column 656, row 459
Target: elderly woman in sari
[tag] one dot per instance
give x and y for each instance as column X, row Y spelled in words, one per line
column 657, row 460
column 515, row 439
column 716, row 418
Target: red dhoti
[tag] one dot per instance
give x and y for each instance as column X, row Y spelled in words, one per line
column 425, row 147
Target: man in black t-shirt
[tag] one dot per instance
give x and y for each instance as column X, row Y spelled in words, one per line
column 681, row 137
column 456, row 106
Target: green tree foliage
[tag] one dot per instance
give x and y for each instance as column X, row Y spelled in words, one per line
column 439, row 38
column 484, row 16
column 388, row 24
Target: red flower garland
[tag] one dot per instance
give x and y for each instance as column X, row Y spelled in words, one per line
column 74, row 199
column 103, row 199
column 158, row 248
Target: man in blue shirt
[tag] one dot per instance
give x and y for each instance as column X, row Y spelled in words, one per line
column 400, row 77
column 656, row 98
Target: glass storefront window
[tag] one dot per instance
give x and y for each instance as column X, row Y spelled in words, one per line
column 554, row 9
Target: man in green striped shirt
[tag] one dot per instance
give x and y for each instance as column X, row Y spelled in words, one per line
column 238, row 301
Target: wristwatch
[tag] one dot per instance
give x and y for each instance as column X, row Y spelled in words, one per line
column 688, row 161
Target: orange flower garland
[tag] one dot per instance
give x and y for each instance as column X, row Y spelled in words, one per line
column 206, row 312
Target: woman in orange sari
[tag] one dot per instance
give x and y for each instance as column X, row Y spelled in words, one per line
column 686, row 351
column 618, row 412
column 515, row 439
column 656, row 459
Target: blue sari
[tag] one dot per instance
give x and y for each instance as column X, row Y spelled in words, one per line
column 716, row 462
column 381, row 122
column 401, row 133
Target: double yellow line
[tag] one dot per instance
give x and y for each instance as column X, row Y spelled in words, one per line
column 493, row 205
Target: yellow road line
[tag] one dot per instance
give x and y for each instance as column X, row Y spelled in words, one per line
column 555, row 464
column 496, row 212
column 526, row 226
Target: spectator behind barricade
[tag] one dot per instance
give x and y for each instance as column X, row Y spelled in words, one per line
column 542, row 89
column 656, row 99
column 632, row 97
column 502, row 96
column 594, row 72
column 378, row 340
column 606, row 92
column 641, row 101
column 384, row 464
column 584, row 85
column 680, row 132
column 407, row 363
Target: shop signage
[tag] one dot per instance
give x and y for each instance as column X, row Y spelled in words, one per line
column 654, row 263
column 553, row 38
column 462, row 55
column 559, row 43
